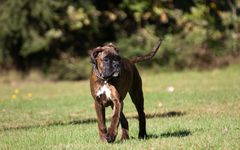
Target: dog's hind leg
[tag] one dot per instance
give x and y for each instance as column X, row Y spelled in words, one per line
column 136, row 94
column 124, row 125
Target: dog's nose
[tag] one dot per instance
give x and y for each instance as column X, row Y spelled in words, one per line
column 116, row 65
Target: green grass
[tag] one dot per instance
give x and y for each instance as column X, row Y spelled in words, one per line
column 203, row 112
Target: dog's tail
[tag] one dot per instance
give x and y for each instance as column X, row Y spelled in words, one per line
column 149, row 55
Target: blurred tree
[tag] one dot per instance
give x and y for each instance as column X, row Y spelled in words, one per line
column 38, row 33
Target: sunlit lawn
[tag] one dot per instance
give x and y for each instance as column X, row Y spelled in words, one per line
column 186, row 110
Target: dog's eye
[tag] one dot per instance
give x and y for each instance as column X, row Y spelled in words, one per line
column 117, row 58
column 105, row 59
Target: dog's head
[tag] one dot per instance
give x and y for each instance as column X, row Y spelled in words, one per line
column 107, row 60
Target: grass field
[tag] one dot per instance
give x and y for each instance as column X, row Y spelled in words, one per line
column 202, row 112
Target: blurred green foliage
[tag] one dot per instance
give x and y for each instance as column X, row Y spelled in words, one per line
column 36, row 34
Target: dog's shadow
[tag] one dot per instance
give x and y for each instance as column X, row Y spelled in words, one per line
column 168, row 134
column 93, row 120
column 178, row 133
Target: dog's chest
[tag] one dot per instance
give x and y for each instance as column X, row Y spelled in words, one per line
column 104, row 90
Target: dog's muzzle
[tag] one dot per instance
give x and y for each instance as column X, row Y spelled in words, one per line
column 107, row 74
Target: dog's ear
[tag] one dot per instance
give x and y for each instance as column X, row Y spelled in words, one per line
column 112, row 45
column 94, row 53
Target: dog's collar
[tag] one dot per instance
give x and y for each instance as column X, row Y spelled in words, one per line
column 96, row 71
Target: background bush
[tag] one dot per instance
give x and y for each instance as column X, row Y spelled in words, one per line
column 49, row 35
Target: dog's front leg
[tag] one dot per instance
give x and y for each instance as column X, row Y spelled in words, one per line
column 100, row 110
column 113, row 129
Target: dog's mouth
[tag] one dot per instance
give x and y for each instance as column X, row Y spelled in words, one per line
column 112, row 75
column 116, row 74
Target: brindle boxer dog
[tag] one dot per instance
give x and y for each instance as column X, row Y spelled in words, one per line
column 111, row 78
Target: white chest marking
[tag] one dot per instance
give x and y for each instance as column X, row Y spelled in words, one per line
column 104, row 90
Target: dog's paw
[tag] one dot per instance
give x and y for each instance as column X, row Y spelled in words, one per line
column 142, row 136
column 110, row 137
column 125, row 135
